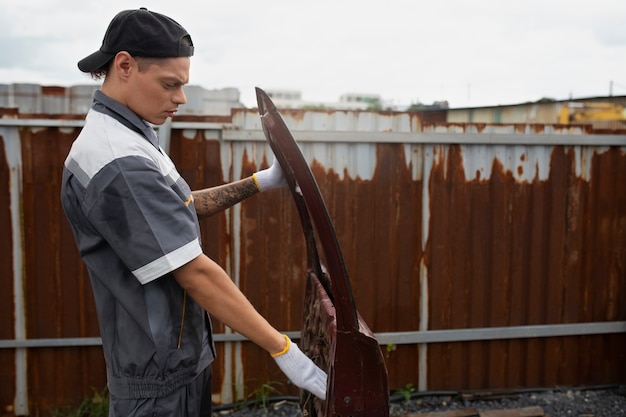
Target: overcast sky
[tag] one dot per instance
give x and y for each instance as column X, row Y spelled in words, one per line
column 469, row 52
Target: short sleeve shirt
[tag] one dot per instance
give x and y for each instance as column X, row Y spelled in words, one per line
column 134, row 221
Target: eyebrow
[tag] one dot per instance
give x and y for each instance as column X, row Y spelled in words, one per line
column 174, row 80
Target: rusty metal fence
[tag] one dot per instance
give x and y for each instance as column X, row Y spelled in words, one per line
column 482, row 256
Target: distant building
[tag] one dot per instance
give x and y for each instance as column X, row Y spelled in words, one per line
column 292, row 99
column 77, row 99
column 544, row 111
column 38, row 99
column 201, row 101
column 366, row 101
column 287, row 95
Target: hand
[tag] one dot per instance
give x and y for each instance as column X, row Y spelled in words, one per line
column 269, row 178
column 301, row 370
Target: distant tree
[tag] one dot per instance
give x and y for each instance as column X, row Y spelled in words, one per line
column 437, row 105
column 373, row 104
column 416, row 107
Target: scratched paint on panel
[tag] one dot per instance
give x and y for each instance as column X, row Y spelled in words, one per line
column 507, row 235
column 272, row 260
column 347, row 178
column 272, row 270
column 340, row 189
column 505, row 252
column 379, row 236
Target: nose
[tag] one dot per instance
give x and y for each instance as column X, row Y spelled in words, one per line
column 179, row 96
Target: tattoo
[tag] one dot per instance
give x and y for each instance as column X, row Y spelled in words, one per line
column 213, row 200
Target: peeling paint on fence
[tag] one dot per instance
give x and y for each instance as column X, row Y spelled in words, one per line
column 442, row 226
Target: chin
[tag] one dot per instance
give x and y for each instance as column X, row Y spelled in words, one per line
column 158, row 121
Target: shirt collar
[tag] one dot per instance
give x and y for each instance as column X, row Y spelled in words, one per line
column 111, row 107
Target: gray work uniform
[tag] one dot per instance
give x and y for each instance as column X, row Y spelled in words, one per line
column 134, row 222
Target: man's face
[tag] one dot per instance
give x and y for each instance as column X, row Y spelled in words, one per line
column 156, row 92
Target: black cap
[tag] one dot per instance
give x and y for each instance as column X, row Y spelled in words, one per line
column 141, row 33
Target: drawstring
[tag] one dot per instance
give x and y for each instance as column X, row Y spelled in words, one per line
column 182, row 320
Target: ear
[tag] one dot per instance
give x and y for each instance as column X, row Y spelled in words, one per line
column 124, row 64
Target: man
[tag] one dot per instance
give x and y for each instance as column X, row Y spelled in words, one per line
column 135, row 223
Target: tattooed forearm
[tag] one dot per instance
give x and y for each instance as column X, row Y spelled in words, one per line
column 213, row 200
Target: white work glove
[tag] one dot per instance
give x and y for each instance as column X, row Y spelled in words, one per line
column 301, row 370
column 269, row 178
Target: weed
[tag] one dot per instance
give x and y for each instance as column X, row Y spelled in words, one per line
column 406, row 392
column 95, row 405
column 263, row 393
column 389, row 348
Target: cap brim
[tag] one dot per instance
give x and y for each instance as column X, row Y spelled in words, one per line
column 94, row 61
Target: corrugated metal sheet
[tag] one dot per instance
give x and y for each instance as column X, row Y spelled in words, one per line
column 351, row 174
column 532, row 253
column 58, row 296
column 449, row 227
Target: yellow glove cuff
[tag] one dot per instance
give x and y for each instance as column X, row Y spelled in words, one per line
column 282, row 352
column 256, row 182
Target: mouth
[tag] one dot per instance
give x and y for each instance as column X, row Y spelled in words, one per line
column 171, row 113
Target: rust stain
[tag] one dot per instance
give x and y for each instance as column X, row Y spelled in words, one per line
column 499, row 252
column 58, row 297
column 506, row 253
column 53, row 91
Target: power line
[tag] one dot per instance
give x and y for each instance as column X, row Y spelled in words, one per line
column 614, row 84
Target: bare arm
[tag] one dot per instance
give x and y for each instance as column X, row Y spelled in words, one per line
column 212, row 200
column 209, row 285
